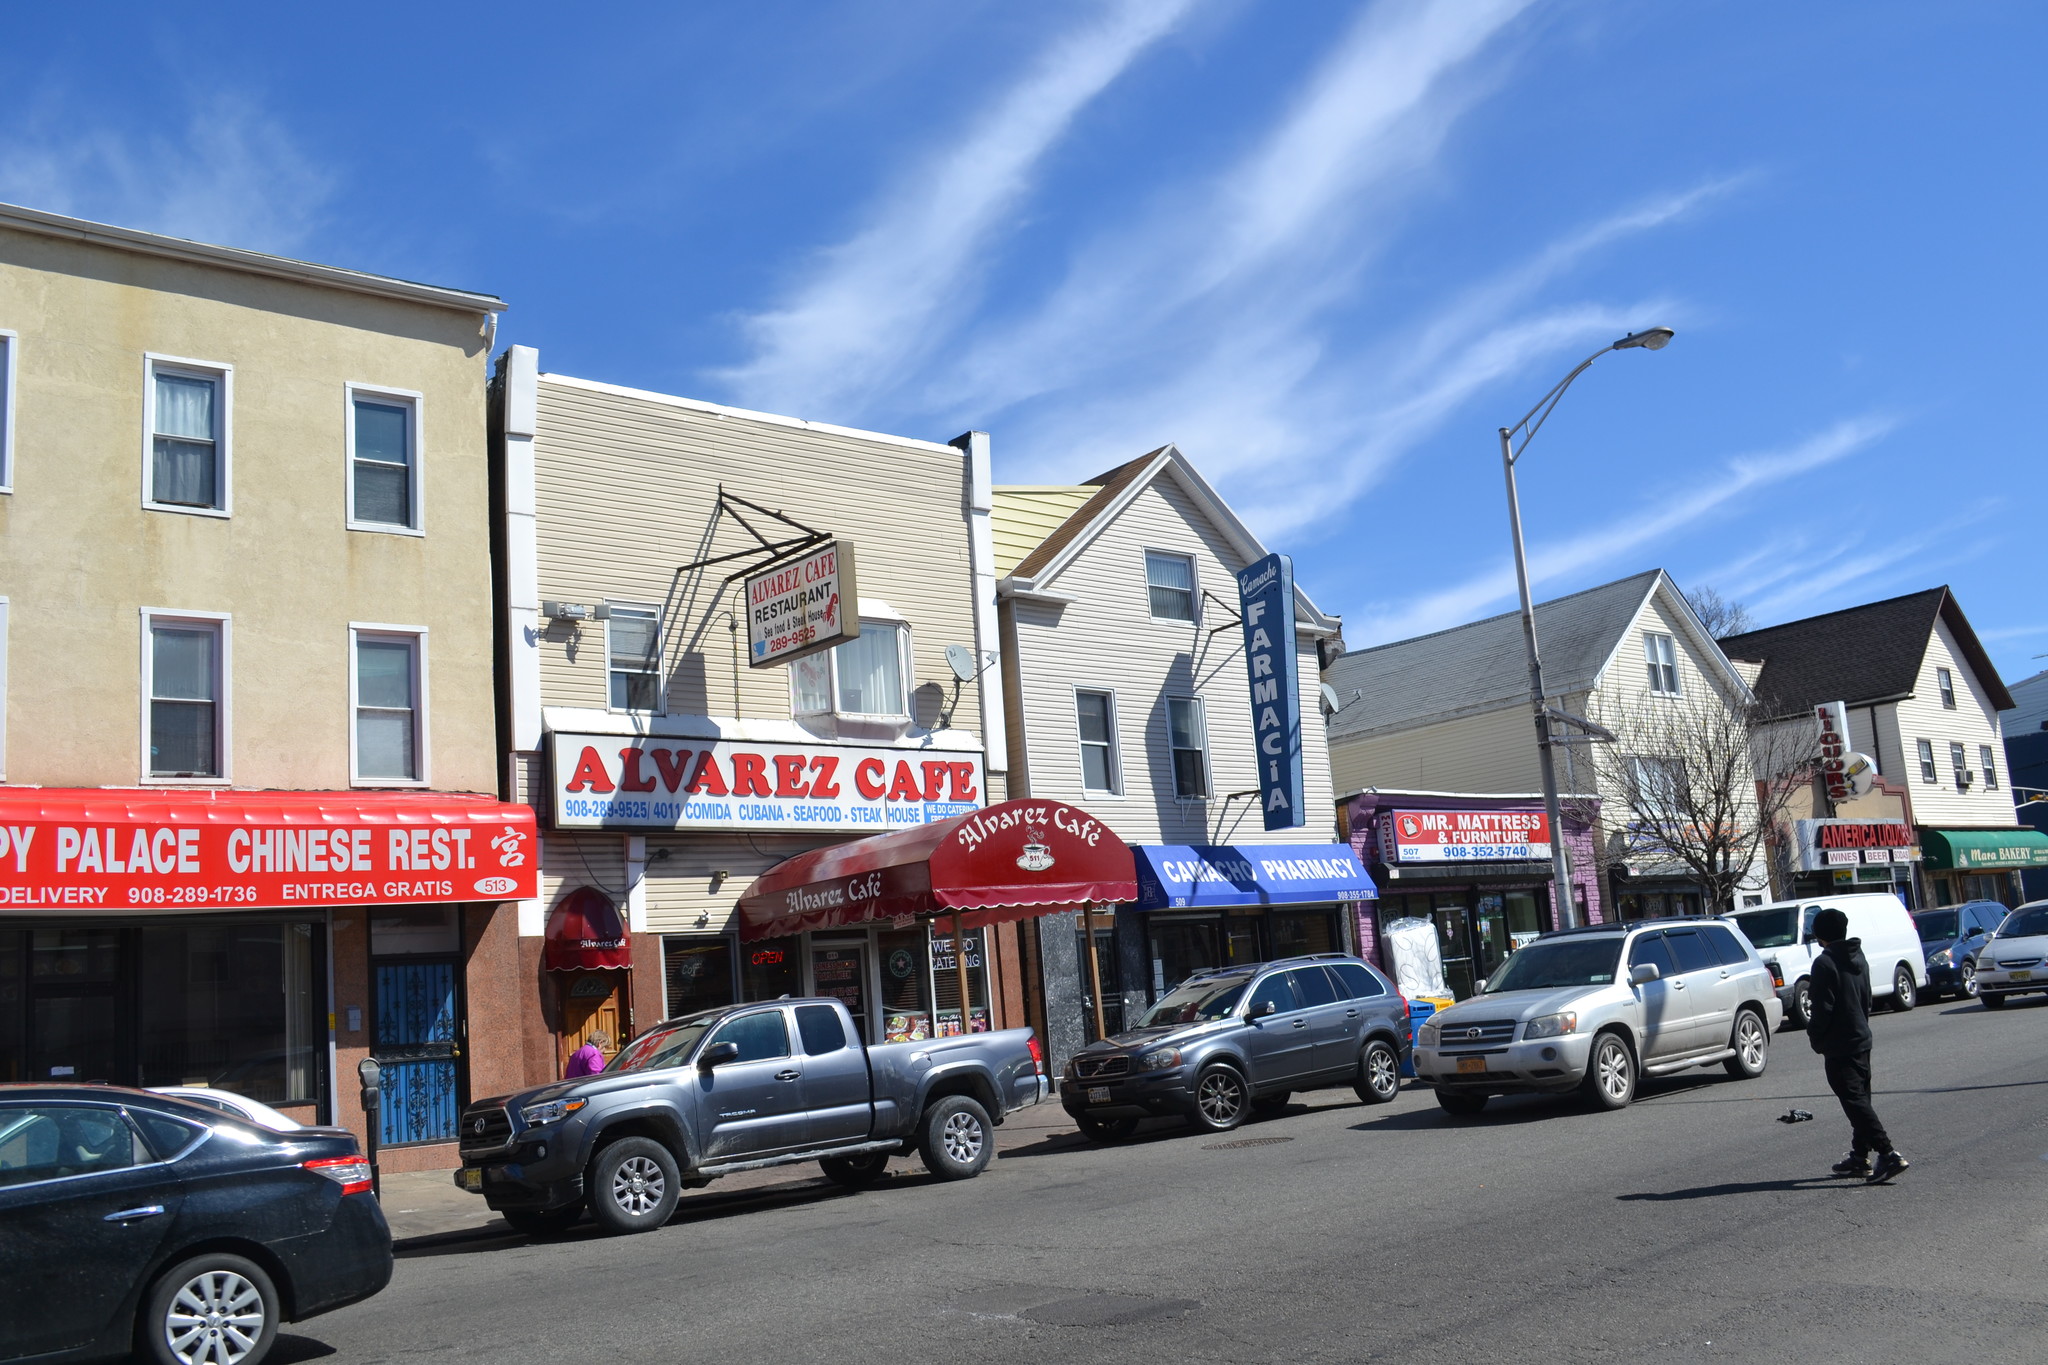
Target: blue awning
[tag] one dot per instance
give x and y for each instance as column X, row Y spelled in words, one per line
column 1210, row 876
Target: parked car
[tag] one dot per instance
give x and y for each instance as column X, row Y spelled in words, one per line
column 2014, row 960
column 734, row 1089
column 1950, row 938
column 1240, row 1039
column 136, row 1221
column 1593, row 1009
column 1782, row 934
column 228, row 1102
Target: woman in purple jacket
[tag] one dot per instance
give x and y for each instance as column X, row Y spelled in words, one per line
column 588, row 1060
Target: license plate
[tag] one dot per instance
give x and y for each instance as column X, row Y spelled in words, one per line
column 1468, row 1065
column 471, row 1178
column 1098, row 1094
column 2023, row 976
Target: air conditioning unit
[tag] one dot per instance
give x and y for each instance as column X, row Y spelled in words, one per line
column 1965, row 779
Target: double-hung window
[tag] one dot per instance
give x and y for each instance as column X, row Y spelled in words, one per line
column 1945, row 681
column 1170, row 584
column 867, row 678
column 1659, row 787
column 1661, row 655
column 186, row 463
column 1956, row 766
column 388, row 688
column 383, row 459
column 1987, row 764
column 185, row 671
column 1187, row 737
column 1926, row 748
column 1095, row 717
column 633, row 646
column 8, row 344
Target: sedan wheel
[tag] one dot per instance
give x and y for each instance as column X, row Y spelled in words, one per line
column 1221, row 1099
column 1611, row 1079
column 211, row 1310
column 1752, row 1045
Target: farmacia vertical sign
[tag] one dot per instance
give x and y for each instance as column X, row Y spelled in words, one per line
column 1265, row 595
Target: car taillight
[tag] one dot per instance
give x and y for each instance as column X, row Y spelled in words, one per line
column 1777, row 974
column 1037, row 1053
column 352, row 1173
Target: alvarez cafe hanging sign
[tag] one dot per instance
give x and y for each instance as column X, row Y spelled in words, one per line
column 640, row 782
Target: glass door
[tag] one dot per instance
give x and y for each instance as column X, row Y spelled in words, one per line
column 839, row 971
column 1454, row 942
column 75, row 1007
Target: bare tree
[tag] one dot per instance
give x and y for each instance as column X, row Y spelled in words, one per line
column 1721, row 616
column 1705, row 781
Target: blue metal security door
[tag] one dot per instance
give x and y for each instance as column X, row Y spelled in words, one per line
column 416, row 1046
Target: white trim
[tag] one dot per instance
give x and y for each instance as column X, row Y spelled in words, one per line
column 422, row 748
column 224, row 430
column 981, row 569
column 250, row 262
column 223, row 735
column 1116, row 748
column 414, row 404
column 3, row 688
column 660, row 674
column 747, row 414
column 517, row 370
column 10, row 346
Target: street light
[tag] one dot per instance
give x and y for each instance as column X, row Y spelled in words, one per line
column 1649, row 339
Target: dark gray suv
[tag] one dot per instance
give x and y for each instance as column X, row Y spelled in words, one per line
column 1237, row 1040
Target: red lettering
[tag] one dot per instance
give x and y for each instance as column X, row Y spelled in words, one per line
column 904, row 787
column 709, row 781
column 673, row 764
column 934, row 779
column 822, row 784
column 870, row 787
column 631, row 779
column 590, row 774
column 963, row 782
column 750, row 775
column 789, row 775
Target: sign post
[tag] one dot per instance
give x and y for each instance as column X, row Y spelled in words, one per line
column 1265, row 594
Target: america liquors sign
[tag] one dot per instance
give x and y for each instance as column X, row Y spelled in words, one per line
column 802, row 606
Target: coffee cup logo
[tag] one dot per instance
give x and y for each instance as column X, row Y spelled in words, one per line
column 1036, row 857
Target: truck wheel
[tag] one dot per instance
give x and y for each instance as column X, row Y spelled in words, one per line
column 956, row 1140
column 1221, row 1099
column 1752, row 1044
column 1379, row 1073
column 1904, row 994
column 211, row 1307
column 1801, row 1012
column 542, row 1222
column 634, row 1185
column 855, row 1172
column 1610, row 1073
column 1459, row 1105
column 1106, row 1130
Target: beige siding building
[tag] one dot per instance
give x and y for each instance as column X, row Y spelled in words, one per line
column 628, row 519
column 244, row 551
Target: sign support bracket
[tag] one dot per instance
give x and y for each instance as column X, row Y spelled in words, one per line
column 765, row 552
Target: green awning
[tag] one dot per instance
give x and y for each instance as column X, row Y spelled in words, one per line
column 1971, row 849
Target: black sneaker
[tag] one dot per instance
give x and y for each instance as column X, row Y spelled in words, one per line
column 1889, row 1164
column 1856, row 1164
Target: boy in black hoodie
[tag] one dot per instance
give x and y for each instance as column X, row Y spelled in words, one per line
column 1838, row 1025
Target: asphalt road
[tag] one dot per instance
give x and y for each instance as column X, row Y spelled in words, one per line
column 1690, row 1227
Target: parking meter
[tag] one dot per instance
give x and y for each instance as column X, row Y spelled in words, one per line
column 372, row 1076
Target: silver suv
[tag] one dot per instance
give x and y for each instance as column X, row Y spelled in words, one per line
column 1239, row 1040
column 1593, row 1009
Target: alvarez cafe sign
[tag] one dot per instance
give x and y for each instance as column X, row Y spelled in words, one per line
column 638, row 782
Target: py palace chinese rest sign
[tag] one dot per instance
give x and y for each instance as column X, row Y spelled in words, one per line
column 802, row 606
column 1450, row 836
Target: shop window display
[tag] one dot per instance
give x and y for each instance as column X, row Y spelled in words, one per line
column 696, row 974
column 906, row 985
column 770, row 969
column 946, row 983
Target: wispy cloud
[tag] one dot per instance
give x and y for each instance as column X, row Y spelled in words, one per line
column 867, row 311
column 1914, row 561
column 1623, row 534
column 232, row 175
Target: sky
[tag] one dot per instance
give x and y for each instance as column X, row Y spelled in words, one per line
column 1326, row 247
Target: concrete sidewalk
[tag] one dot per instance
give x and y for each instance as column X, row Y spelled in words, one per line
column 425, row 1208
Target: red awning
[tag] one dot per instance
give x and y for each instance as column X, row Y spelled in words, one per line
column 123, row 849
column 1013, row 861
column 586, row 933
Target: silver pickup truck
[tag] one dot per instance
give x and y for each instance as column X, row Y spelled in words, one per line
column 735, row 1089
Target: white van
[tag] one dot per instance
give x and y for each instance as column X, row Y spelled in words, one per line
column 1782, row 934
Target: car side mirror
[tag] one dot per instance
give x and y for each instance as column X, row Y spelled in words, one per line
column 1260, row 1010
column 718, row 1054
column 1643, row 973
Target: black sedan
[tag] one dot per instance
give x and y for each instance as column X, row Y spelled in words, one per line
column 144, row 1222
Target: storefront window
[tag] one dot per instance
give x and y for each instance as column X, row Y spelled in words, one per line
column 696, row 974
column 770, row 969
column 1180, row 948
column 946, row 983
column 906, row 985
column 1243, row 940
column 1524, row 917
column 1489, row 934
column 11, row 973
column 233, row 1007
column 1298, row 933
column 1112, row 983
column 839, row 971
column 414, row 930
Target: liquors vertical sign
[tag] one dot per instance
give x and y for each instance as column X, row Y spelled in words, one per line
column 1265, row 595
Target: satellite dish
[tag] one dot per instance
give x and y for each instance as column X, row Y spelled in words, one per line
column 960, row 659
column 1330, row 706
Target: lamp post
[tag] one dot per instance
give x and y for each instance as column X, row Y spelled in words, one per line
column 1650, row 339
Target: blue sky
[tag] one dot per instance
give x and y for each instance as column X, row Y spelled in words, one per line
column 1325, row 247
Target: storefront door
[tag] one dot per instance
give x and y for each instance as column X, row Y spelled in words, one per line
column 415, row 1044
column 839, row 971
column 591, row 1003
column 74, row 1005
column 1454, row 942
column 1182, row 947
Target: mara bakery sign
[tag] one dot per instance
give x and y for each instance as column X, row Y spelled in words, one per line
column 802, row 606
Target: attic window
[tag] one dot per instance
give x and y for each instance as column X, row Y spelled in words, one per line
column 1662, row 658
column 1946, row 681
column 1170, row 582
